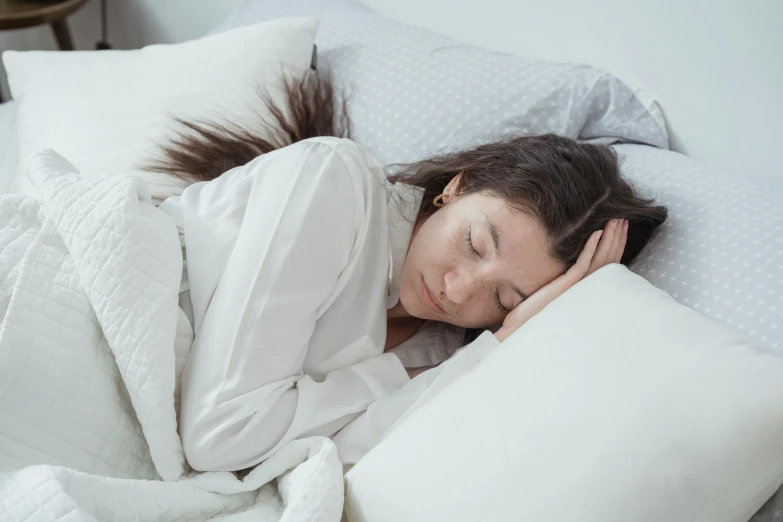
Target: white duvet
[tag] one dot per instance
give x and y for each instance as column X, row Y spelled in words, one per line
column 92, row 343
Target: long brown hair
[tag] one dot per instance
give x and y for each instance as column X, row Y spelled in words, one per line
column 204, row 149
column 572, row 188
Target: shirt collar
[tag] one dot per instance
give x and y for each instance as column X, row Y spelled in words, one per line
column 403, row 207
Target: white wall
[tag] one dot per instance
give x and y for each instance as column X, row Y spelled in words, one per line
column 716, row 66
column 132, row 24
column 135, row 23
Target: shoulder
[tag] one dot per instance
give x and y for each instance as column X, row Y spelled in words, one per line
column 339, row 161
column 342, row 148
column 341, row 145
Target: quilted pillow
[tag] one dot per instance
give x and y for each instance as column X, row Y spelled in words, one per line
column 721, row 250
column 108, row 111
column 640, row 409
column 415, row 92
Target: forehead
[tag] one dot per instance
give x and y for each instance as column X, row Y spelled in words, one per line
column 524, row 250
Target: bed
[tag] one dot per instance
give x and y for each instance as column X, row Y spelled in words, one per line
column 720, row 252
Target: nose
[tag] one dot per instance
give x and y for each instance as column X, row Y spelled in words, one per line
column 458, row 286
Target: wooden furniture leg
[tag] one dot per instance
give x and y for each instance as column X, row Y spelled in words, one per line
column 62, row 34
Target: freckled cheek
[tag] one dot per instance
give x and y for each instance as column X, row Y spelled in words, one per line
column 489, row 315
column 480, row 310
column 445, row 251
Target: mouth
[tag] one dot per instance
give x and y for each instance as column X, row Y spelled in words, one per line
column 428, row 300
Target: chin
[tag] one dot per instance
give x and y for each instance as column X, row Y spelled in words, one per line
column 412, row 306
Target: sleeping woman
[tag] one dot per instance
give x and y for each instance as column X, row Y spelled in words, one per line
column 325, row 293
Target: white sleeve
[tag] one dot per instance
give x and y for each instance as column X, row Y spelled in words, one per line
column 368, row 429
column 244, row 393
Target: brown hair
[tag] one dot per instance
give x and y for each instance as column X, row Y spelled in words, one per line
column 572, row 188
column 203, row 150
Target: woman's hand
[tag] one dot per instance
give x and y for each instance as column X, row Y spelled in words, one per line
column 604, row 247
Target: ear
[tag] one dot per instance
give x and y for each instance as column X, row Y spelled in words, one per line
column 453, row 189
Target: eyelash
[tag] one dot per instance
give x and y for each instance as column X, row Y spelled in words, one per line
column 469, row 242
column 500, row 305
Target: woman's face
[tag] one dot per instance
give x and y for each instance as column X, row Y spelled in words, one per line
column 473, row 261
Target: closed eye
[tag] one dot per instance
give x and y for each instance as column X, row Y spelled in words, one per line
column 475, row 253
column 499, row 304
column 469, row 242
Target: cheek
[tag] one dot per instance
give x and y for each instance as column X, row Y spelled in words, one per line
column 427, row 254
column 433, row 244
column 480, row 311
column 415, row 264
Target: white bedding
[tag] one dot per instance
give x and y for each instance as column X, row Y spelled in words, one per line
column 8, row 147
column 91, row 345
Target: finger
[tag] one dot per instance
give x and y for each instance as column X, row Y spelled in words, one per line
column 552, row 290
column 617, row 253
column 583, row 262
column 549, row 292
column 604, row 247
column 617, row 237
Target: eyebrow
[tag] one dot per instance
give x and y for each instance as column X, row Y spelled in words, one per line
column 522, row 294
column 496, row 242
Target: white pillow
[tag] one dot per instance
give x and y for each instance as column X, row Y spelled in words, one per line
column 107, row 111
column 616, row 403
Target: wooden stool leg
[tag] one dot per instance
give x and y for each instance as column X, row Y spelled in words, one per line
column 62, row 34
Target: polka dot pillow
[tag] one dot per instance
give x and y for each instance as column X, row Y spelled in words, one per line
column 415, row 93
column 721, row 250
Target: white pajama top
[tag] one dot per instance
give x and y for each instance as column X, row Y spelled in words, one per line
column 291, row 264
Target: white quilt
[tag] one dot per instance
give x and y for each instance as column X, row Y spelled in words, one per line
column 92, row 343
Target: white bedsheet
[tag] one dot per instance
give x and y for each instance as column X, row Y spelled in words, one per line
column 91, row 345
column 8, row 147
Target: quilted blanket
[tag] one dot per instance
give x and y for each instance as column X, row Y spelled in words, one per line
column 92, row 343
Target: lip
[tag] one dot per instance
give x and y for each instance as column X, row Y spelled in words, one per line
column 428, row 300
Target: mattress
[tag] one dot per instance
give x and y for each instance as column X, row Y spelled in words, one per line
column 8, row 147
